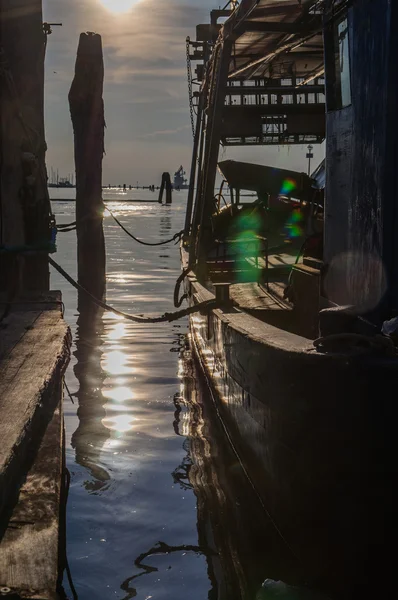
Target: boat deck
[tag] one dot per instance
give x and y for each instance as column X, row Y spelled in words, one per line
column 255, row 297
column 228, row 269
column 264, row 291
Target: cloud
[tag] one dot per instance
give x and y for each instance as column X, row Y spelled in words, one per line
column 145, row 91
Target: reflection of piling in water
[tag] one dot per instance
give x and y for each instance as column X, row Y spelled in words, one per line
column 90, row 436
column 166, row 184
column 87, row 112
column 165, row 222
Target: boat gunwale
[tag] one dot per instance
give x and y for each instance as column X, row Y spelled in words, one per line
column 298, row 344
column 275, row 338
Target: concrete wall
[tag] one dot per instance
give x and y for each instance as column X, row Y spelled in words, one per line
column 361, row 166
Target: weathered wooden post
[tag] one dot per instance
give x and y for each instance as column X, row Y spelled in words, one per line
column 87, row 112
column 166, row 184
column 25, row 215
column 161, row 191
column 169, row 189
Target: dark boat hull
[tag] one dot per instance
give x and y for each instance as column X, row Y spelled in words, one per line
column 313, row 431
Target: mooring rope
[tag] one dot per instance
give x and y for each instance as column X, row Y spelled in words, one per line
column 176, row 238
column 178, row 301
column 67, row 567
column 65, row 225
column 165, row 318
column 67, row 229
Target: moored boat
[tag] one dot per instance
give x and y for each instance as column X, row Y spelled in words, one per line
column 304, row 271
column 180, row 181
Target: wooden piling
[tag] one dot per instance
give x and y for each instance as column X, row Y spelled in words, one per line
column 25, row 214
column 161, row 192
column 169, row 189
column 166, row 185
column 34, row 338
column 87, row 112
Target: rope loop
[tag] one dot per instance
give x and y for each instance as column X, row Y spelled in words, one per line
column 165, row 318
column 176, row 237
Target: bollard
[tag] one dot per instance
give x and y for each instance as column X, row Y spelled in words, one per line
column 222, row 293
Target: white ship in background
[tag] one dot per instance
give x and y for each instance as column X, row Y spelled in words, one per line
column 180, row 181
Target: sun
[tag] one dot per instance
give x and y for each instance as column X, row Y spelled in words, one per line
column 119, row 6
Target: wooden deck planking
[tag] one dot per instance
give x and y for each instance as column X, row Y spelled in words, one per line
column 252, row 296
column 275, row 261
column 29, row 548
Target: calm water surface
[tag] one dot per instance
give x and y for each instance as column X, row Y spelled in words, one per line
column 143, row 521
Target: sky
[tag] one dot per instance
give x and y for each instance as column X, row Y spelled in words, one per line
column 145, row 91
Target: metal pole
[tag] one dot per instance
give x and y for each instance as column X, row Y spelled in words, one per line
column 193, row 168
column 217, row 95
column 199, row 184
column 309, row 155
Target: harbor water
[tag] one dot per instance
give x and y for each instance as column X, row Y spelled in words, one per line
column 158, row 506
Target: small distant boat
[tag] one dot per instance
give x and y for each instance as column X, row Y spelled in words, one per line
column 180, row 181
column 62, row 183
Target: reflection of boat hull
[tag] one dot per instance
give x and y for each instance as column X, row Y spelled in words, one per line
column 316, row 453
column 241, row 544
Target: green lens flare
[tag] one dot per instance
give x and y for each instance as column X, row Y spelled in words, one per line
column 244, row 245
column 288, row 186
column 293, row 227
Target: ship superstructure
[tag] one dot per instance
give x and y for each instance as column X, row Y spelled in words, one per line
column 180, row 181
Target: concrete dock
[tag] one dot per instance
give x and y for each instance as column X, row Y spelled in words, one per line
column 34, row 353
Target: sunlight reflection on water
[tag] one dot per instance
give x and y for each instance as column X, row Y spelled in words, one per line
column 122, row 447
column 159, row 506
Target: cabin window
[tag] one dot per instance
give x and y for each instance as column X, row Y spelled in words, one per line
column 340, row 80
column 343, row 67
